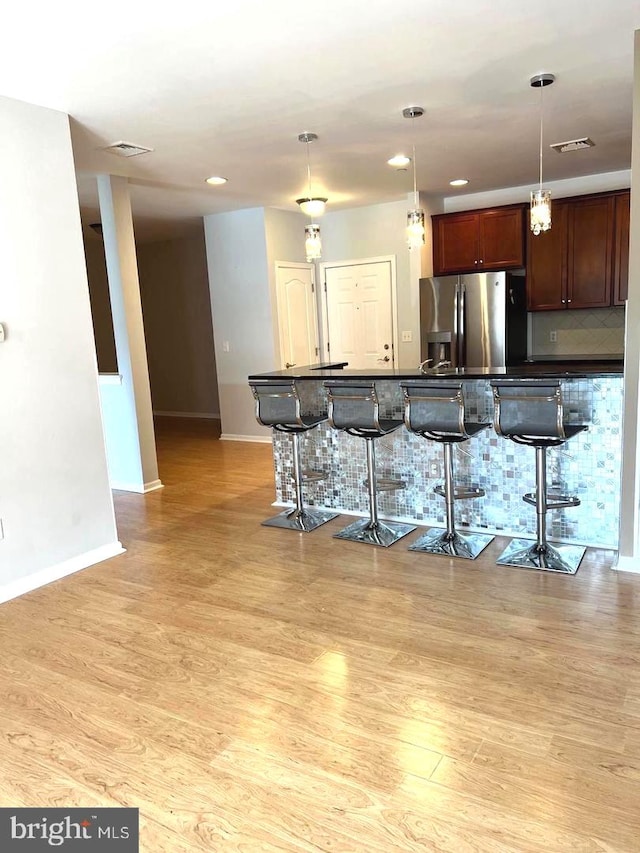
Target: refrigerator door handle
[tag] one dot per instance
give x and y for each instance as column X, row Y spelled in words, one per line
column 460, row 322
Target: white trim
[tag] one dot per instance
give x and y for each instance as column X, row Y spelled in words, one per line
column 45, row 576
column 153, row 486
column 627, row 564
column 324, row 316
column 109, row 379
column 214, row 416
column 259, row 439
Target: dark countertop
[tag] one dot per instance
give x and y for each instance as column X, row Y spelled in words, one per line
column 536, row 370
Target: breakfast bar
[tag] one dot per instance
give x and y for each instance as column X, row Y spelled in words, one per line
column 588, row 466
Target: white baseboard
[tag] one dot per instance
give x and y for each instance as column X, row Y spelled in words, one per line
column 627, row 564
column 23, row 585
column 266, row 439
column 137, row 488
column 214, row 416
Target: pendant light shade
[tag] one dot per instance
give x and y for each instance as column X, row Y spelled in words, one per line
column 540, row 215
column 415, row 228
column 313, row 206
column 415, row 216
column 312, row 243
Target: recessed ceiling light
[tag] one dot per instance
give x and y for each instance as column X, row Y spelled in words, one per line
column 400, row 161
column 216, row 181
column 459, row 182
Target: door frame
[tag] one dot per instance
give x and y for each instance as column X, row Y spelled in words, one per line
column 314, row 281
column 324, row 309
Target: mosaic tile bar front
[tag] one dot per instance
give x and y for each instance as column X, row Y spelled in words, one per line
column 587, row 466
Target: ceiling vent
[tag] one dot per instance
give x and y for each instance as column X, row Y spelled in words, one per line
column 127, row 149
column 573, row 145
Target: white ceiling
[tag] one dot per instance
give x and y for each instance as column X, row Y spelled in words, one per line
column 225, row 88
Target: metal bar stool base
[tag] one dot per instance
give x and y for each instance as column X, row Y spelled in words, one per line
column 437, row 541
column 300, row 520
column 383, row 533
column 527, row 554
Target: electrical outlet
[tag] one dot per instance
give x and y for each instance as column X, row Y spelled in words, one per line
column 553, row 336
column 407, row 337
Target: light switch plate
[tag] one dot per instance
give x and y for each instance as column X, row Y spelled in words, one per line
column 2, row 332
column 407, row 337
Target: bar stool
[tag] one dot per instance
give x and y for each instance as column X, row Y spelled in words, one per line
column 354, row 408
column 278, row 406
column 436, row 411
column 531, row 412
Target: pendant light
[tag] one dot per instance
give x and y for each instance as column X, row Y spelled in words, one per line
column 415, row 217
column 541, row 199
column 312, row 206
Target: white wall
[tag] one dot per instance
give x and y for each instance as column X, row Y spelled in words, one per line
column 376, row 231
column 177, row 321
column 241, row 312
column 55, row 501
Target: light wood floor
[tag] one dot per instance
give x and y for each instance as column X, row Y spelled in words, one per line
column 254, row 689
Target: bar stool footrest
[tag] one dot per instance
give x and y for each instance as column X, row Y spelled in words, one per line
column 461, row 493
column 437, row 541
column 311, row 476
column 384, row 484
column 382, row 533
column 302, row 520
column 554, row 500
column 528, row 554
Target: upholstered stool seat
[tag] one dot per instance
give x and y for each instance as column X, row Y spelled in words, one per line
column 531, row 412
column 278, row 406
column 436, row 411
column 354, row 408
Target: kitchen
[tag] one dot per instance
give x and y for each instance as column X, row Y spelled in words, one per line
column 586, row 251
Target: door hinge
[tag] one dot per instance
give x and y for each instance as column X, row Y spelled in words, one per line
column 325, row 287
column 328, row 347
column 317, row 351
column 313, row 287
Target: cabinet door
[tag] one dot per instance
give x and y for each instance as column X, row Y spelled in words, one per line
column 547, row 263
column 455, row 243
column 621, row 248
column 501, row 238
column 590, row 253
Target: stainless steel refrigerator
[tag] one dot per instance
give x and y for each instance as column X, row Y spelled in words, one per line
column 477, row 320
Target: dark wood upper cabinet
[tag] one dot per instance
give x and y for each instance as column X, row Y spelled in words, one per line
column 480, row 240
column 621, row 248
column 590, row 252
column 455, row 243
column 582, row 262
column 501, row 238
column 547, row 263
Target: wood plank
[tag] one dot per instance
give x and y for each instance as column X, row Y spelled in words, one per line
column 257, row 689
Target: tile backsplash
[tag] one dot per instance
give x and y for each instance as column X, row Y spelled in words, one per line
column 596, row 332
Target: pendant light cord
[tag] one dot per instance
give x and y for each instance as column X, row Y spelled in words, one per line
column 413, row 145
column 541, row 128
column 309, row 168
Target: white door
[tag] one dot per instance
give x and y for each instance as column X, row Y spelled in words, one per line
column 297, row 314
column 359, row 315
